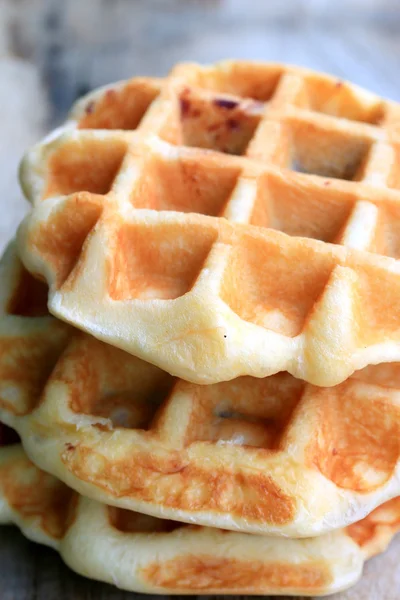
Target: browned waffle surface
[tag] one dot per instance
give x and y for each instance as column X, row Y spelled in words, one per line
column 272, row 455
column 154, row 238
column 31, row 340
column 142, row 553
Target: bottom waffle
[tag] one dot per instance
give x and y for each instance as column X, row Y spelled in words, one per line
column 146, row 554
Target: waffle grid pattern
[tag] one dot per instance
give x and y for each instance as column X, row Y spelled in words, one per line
column 272, row 455
column 154, row 238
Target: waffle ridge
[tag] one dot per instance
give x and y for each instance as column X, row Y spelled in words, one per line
column 154, row 210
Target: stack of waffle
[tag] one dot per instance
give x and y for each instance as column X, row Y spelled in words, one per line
column 200, row 323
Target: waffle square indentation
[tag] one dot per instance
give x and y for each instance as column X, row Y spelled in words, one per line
column 259, row 285
column 160, row 262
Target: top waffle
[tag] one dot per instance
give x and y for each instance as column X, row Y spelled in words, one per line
column 155, row 238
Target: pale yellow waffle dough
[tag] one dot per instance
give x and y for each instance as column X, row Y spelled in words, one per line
column 146, row 554
column 271, row 455
column 155, row 239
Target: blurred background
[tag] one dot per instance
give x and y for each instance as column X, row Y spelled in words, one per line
column 52, row 51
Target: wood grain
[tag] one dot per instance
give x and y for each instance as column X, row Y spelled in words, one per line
column 55, row 50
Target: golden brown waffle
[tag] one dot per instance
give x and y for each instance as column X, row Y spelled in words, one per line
column 29, row 335
column 154, row 238
column 141, row 553
column 271, row 455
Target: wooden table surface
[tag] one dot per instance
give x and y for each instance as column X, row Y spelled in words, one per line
column 54, row 50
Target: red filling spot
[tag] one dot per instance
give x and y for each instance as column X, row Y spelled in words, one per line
column 89, row 108
column 225, row 103
column 185, row 106
column 232, row 124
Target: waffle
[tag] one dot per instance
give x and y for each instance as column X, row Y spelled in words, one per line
column 154, row 210
column 29, row 335
column 146, row 554
column 272, row 455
